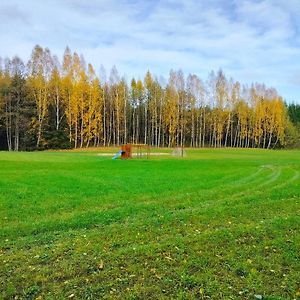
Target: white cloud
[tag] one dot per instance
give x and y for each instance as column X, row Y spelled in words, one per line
column 250, row 40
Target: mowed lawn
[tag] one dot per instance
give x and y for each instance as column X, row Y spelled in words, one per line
column 217, row 224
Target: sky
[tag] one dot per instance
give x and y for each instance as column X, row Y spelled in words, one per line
column 250, row 40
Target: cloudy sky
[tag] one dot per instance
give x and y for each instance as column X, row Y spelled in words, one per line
column 251, row 40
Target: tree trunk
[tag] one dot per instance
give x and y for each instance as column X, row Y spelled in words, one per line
column 227, row 129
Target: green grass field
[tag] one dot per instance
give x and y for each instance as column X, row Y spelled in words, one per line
column 218, row 224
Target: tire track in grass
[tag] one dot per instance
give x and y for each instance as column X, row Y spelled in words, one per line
column 251, row 180
column 290, row 180
column 218, row 195
column 220, row 186
column 276, row 172
column 248, row 178
column 273, row 177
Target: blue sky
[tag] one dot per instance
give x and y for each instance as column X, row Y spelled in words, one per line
column 251, row 40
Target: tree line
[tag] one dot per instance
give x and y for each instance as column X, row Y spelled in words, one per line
column 47, row 103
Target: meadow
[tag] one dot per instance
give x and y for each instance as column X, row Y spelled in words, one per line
column 217, row 224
